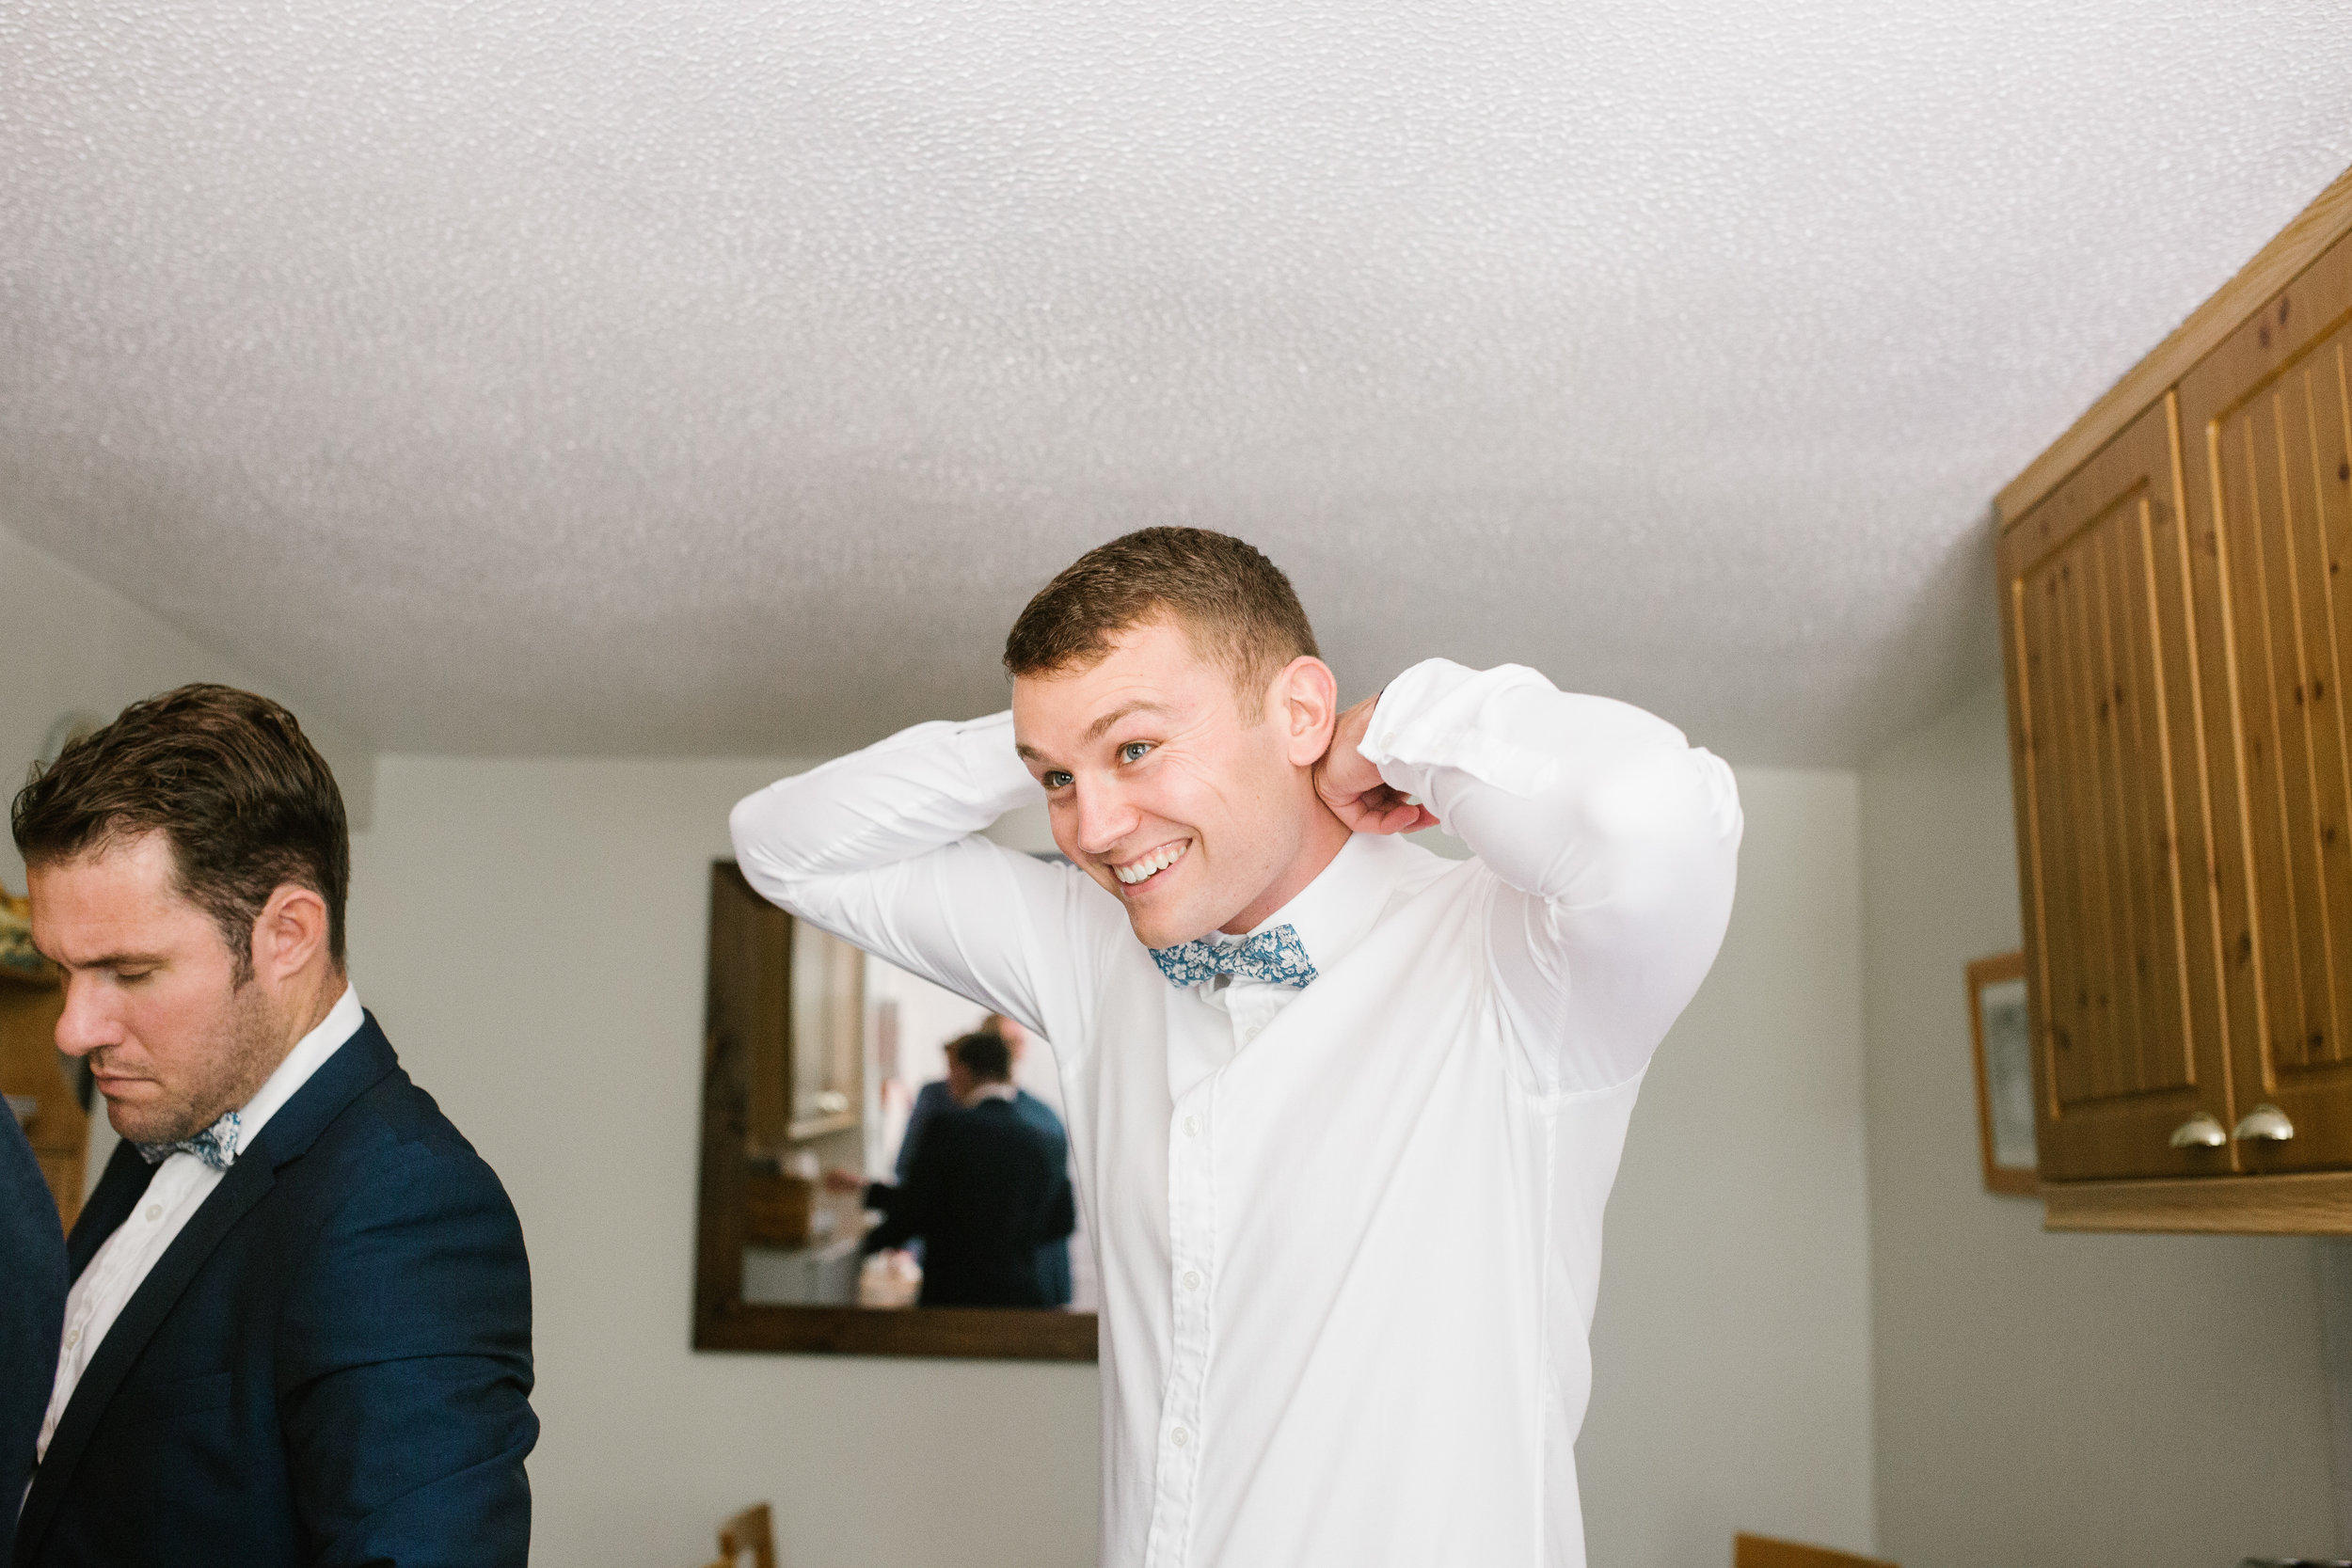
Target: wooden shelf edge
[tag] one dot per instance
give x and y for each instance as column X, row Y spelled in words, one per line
column 2277, row 265
column 959, row 1333
column 2306, row 1204
column 806, row 1128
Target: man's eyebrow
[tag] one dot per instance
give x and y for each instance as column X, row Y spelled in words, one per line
column 116, row 960
column 1095, row 731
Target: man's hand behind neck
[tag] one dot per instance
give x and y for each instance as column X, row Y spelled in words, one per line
column 1353, row 789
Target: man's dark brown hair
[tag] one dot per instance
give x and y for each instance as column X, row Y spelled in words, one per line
column 227, row 777
column 985, row 1057
column 1236, row 606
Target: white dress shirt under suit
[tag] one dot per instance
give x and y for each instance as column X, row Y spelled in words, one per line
column 180, row 1186
column 1350, row 1234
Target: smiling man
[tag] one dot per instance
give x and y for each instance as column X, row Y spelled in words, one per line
column 299, row 1327
column 1344, row 1112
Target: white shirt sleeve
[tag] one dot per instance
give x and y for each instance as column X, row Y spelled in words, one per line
column 881, row 847
column 1613, row 841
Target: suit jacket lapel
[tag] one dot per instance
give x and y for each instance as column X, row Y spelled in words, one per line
column 239, row 1191
column 353, row 1067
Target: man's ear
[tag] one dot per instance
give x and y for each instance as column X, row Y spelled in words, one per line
column 291, row 930
column 1305, row 698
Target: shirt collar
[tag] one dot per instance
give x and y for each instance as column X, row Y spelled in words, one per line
column 310, row 1054
column 1339, row 909
column 1005, row 1092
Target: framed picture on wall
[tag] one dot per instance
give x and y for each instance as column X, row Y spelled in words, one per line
column 2002, row 1038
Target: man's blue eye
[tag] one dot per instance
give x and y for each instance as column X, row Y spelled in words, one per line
column 1057, row 781
column 1133, row 751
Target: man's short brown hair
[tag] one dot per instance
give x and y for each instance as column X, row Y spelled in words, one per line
column 227, row 777
column 1236, row 606
column 984, row 1056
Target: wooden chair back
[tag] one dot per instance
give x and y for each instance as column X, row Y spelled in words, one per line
column 1763, row 1551
column 752, row 1530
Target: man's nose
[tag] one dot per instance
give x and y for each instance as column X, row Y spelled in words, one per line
column 1104, row 817
column 85, row 1025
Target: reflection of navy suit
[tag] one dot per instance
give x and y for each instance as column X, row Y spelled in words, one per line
column 1053, row 1258
column 985, row 1192
column 32, row 1310
column 329, row 1365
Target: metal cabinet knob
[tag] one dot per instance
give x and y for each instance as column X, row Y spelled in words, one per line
column 2200, row 1132
column 2265, row 1124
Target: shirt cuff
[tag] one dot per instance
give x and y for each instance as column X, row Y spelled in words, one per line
column 1433, row 716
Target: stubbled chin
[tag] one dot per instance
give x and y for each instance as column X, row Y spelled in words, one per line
column 130, row 1123
column 144, row 1123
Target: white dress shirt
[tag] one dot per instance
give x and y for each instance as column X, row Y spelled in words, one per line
column 174, row 1194
column 1350, row 1234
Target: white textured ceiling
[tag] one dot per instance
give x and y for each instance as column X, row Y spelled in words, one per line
column 662, row 376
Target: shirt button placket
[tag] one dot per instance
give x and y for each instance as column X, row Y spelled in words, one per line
column 1192, row 1244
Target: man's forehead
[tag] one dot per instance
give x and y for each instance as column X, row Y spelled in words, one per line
column 1076, row 711
column 136, row 854
column 121, row 878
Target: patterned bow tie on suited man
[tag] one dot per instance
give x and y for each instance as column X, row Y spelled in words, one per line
column 1275, row 955
column 216, row 1146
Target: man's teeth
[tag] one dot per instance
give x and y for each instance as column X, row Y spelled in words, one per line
column 1152, row 865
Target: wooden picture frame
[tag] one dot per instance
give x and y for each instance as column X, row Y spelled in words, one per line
column 750, row 1002
column 2001, row 1047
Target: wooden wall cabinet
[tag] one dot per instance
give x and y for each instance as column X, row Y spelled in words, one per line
column 2270, row 465
column 2176, row 627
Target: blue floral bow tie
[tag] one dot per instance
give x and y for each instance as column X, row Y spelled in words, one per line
column 216, row 1146
column 1277, row 956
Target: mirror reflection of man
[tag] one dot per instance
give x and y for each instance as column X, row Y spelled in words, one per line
column 1344, row 1114
column 941, row 1095
column 983, row 1192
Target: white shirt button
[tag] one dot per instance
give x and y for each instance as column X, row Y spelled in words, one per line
column 1192, row 1279
column 1192, row 1126
column 154, row 1211
column 1180, row 1437
column 73, row 1338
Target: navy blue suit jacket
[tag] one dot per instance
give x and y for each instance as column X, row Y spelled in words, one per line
column 329, row 1365
column 934, row 1101
column 986, row 1191
column 32, row 1309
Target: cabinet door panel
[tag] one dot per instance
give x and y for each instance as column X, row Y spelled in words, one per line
column 2271, row 462
column 2122, row 963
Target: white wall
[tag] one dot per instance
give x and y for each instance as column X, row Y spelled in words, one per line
column 2100, row 1401
column 531, row 933
column 68, row 643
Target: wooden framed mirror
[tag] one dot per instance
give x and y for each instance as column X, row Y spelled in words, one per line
column 812, row 1053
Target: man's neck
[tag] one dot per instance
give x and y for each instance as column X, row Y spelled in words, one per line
column 309, row 1003
column 311, row 1006
column 1325, row 835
